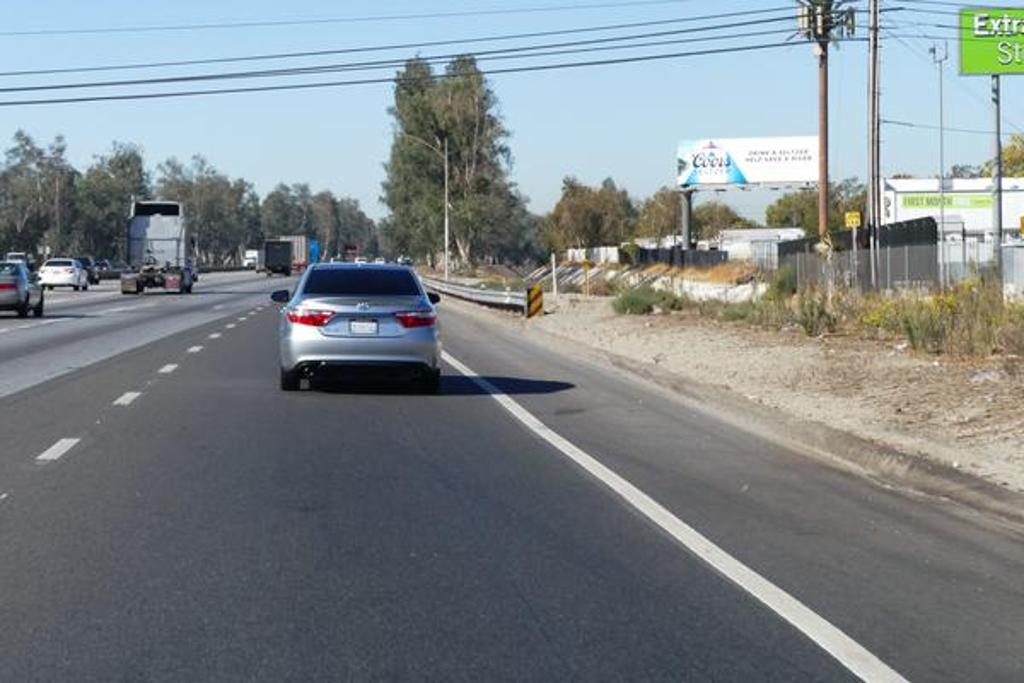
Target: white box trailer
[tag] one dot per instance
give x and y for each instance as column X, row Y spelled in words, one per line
column 159, row 249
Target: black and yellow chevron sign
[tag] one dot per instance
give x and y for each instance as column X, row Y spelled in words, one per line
column 534, row 301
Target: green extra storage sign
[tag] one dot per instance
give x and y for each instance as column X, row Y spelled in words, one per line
column 991, row 41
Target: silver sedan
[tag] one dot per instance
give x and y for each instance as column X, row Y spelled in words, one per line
column 352, row 320
column 19, row 290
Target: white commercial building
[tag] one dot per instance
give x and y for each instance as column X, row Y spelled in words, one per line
column 969, row 205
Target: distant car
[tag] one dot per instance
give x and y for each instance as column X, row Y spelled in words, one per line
column 16, row 256
column 90, row 268
column 360, row 259
column 110, row 269
column 63, row 272
column 379, row 260
column 404, row 260
column 19, row 290
column 345, row 320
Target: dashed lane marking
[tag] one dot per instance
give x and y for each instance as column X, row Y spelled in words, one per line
column 229, row 326
column 127, row 398
column 168, row 369
column 57, row 450
column 214, row 335
column 195, row 349
column 844, row 649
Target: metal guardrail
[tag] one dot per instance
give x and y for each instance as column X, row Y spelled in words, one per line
column 488, row 297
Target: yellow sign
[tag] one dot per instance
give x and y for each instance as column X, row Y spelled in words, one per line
column 1022, row 226
column 852, row 219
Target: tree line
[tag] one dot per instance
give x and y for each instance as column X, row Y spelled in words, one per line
column 48, row 205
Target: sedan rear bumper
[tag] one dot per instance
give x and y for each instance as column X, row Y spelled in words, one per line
column 307, row 347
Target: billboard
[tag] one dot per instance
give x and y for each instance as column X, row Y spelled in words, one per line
column 725, row 162
column 991, row 41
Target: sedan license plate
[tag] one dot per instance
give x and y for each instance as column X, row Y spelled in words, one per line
column 362, row 327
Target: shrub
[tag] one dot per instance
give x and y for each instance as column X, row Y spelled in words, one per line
column 1011, row 333
column 643, row 299
column 783, row 284
column 815, row 315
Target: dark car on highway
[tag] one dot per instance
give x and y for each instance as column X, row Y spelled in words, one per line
column 90, row 268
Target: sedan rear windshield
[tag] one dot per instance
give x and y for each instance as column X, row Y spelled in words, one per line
column 59, row 264
column 9, row 269
column 361, row 282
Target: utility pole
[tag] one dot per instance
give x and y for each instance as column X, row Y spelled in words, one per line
column 874, row 167
column 997, row 179
column 818, row 21
column 943, row 266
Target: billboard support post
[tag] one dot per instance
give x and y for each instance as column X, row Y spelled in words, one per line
column 686, row 218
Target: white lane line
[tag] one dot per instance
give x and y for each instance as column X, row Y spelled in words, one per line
column 218, row 307
column 57, row 450
column 168, row 369
column 229, row 326
column 831, row 639
column 252, row 312
column 3, row 497
column 127, row 398
column 195, row 349
column 122, row 309
column 215, row 335
column 242, row 319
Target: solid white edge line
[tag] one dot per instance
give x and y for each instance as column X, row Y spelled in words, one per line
column 127, row 397
column 168, row 369
column 57, row 450
column 848, row 652
column 195, row 349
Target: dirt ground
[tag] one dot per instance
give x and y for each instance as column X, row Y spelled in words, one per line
column 967, row 414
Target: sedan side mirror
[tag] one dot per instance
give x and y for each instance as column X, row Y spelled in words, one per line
column 281, row 296
column 434, row 297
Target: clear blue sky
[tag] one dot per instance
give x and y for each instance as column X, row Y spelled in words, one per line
column 622, row 121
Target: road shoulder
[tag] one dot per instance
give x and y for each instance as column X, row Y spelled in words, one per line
column 881, row 461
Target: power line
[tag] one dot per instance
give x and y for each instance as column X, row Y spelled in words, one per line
column 397, row 46
column 503, row 53
column 372, row 81
column 271, row 23
column 927, row 126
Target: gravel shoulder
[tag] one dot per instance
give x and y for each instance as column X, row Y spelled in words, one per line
column 966, row 417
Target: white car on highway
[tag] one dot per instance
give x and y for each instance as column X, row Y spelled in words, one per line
column 64, row 272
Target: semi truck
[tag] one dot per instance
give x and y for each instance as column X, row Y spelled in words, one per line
column 159, row 249
column 300, row 251
column 277, row 257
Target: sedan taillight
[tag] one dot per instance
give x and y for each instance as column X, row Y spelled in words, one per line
column 8, row 285
column 416, row 318
column 309, row 316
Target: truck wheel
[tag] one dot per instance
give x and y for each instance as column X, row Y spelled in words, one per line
column 85, row 287
column 75, row 287
column 289, row 380
column 38, row 310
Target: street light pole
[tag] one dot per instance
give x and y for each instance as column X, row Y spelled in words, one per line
column 443, row 153
column 943, row 265
column 446, row 232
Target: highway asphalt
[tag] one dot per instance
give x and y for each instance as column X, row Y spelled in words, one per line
column 190, row 522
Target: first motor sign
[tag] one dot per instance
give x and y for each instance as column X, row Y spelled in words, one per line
column 991, row 41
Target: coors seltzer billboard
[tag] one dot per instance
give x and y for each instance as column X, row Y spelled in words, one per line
column 727, row 162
